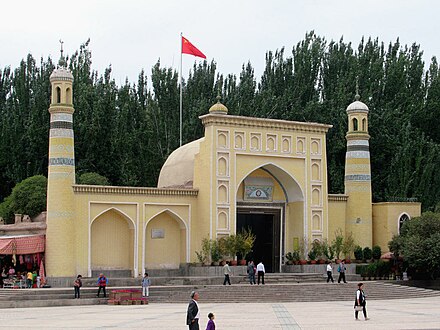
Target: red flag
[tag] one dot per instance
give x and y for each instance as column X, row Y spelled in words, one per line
column 189, row 48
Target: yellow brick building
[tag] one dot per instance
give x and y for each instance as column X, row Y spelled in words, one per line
column 269, row 175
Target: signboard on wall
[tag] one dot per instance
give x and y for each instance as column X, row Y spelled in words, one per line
column 157, row 233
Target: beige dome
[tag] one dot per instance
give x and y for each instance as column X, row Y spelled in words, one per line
column 61, row 74
column 218, row 108
column 357, row 106
column 178, row 170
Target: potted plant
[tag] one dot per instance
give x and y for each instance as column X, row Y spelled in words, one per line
column 358, row 254
column 206, row 251
column 348, row 247
column 368, row 254
column 337, row 244
column 231, row 248
column 312, row 256
column 244, row 243
column 327, row 250
column 201, row 258
column 377, row 252
column 215, row 252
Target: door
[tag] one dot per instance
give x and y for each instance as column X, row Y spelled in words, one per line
column 265, row 224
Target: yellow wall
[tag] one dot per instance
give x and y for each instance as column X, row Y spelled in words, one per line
column 386, row 220
column 336, row 216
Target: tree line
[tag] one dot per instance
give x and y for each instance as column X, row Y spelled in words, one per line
column 125, row 133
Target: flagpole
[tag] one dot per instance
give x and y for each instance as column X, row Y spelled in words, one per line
column 181, row 88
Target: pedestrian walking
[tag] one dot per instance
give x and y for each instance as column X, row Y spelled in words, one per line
column 251, row 272
column 341, row 270
column 226, row 272
column 330, row 272
column 211, row 324
column 146, row 282
column 193, row 312
column 260, row 272
column 77, row 284
column 102, row 283
column 360, row 303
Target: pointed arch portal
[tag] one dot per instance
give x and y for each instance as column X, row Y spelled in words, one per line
column 267, row 219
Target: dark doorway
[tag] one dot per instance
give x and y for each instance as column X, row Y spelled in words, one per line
column 265, row 224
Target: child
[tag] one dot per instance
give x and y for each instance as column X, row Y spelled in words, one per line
column 211, row 324
column 145, row 285
column 76, row 285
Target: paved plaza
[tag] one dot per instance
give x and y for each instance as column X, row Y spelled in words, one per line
column 421, row 313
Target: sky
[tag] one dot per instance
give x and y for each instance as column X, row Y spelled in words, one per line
column 133, row 35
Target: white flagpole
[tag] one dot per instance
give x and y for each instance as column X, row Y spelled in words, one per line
column 181, row 45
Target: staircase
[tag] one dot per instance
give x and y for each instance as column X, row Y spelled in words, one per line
column 273, row 291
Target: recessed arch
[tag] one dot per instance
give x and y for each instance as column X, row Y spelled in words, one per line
column 291, row 188
column 169, row 248
column 112, row 241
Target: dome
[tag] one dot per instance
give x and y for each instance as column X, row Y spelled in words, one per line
column 178, row 170
column 218, row 108
column 357, row 106
column 61, row 74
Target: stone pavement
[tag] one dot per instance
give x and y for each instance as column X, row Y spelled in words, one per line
column 421, row 313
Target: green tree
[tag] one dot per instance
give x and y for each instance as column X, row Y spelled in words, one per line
column 419, row 243
column 27, row 197
column 93, row 179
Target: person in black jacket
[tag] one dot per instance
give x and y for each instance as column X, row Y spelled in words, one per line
column 360, row 302
column 193, row 314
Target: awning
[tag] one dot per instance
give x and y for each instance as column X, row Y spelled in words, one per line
column 22, row 244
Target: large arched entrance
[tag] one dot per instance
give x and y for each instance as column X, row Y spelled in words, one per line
column 270, row 204
column 112, row 244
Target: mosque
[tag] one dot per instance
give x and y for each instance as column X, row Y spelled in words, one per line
column 266, row 174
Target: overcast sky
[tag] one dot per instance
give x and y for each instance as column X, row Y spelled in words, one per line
column 132, row 35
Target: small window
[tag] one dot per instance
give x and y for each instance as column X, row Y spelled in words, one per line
column 355, row 124
column 364, row 125
column 58, row 92
column 68, row 96
column 402, row 219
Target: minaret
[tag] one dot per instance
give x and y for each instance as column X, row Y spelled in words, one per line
column 358, row 175
column 60, row 253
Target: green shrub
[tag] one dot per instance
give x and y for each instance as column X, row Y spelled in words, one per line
column 377, row 252
column 358, row 253
column 367, row 253
column 93, row 178
column 27, row 197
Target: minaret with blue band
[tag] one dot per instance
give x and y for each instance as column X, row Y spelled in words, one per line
column 61, row 175
column 358, row 175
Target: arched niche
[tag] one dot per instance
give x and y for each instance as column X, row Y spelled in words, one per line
column 316, row 197
column 222, row 194
column 112, row 241
column 222, row 220
column 316, row 222
column 316, row 173
column 165, row 241
column 222, row 166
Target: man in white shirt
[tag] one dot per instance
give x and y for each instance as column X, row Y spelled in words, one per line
column 330, row 272
column 260, row 272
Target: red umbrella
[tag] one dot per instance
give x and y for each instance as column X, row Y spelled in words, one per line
column 387, row 255
column 42, row 277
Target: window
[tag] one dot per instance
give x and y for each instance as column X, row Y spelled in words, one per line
column 355, row 124
column 404, row 217
column 58, row 94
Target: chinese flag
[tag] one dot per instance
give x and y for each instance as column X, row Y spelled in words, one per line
column 189, row 48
